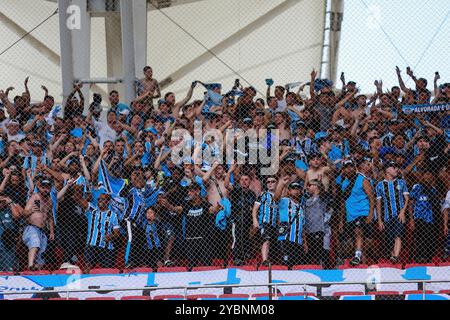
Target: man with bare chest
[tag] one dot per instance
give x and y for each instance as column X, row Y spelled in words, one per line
column 216, row 188
column 150, row 85
column 38, row 215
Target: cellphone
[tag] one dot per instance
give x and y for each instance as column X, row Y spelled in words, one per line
column 237, row 83
column 37, row 203
column 437, row 73
column 269, row 82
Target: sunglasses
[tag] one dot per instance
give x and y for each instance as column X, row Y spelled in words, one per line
column 271, row 181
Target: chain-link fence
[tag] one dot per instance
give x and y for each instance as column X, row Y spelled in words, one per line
column 275, row 175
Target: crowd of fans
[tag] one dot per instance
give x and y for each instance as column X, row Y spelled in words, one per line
column 358, row 177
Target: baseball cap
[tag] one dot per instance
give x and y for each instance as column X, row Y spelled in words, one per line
column 347, row 163
column 151, row 130
column 124, row 112
column 364, row 159
column 297, row 185
column 161, row 102
column 13, row 121
column 301, row 124
column 315, row 155
column 247, row 120
column 389, row 164
column 271, row 126
column 320, row 135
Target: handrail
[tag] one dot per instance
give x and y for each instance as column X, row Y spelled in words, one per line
column 186, row 288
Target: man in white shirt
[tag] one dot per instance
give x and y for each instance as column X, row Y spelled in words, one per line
column 14, row 131
column 107, row 131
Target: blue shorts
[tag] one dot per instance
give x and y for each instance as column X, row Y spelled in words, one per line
column 394, row 229
column 34, row 237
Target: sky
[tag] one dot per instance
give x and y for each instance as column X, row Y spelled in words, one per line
column 377, row 35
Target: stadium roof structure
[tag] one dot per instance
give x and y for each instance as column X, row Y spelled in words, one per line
column 183, row 40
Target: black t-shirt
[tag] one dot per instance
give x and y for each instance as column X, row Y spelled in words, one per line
column 70, row 215
column 175, row 195
column 242, row 201
column 197, row 220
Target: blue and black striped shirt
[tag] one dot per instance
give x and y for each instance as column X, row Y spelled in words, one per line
column 392, row 195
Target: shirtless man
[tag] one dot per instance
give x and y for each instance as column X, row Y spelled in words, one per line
column 216, row 182
column 150, row 85
column 38, row 213
column 317, row 171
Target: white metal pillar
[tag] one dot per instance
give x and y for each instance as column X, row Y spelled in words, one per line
column 65, row 37
column 128, row 52
column 114, row 50
column 81, row 48
column 336, row 18
column 140, row 35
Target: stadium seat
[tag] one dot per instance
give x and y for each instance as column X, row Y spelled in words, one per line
column 265, row 296
column 218, row 262
column 444, row 292
column 383, row 293
column 347, row 266
column 6, row 274
column 201, row 296
column 415, row 265
column 299, row 297
column 104, row 271
column 254, row 262
column 136, row 298
column 418, row 292
column 172, row 269
column 234, row 296
column 388, row 265
column 206, row 268
column 308, row 267
column 444, row 264
column 246, row 268
column 274, row 268
column 359, row 298
column 67, row 271
column 61, row 299
column 35, row 273
column 138, row 270
column 169, row 297
column 295, row 294
column 100, row 298
column 28, row 299
column 349, row 293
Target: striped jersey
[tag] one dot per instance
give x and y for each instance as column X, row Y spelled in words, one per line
column 392, row 195
column 267, row 213
column 100, row 224
column 293, row 214
column 136, row 201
